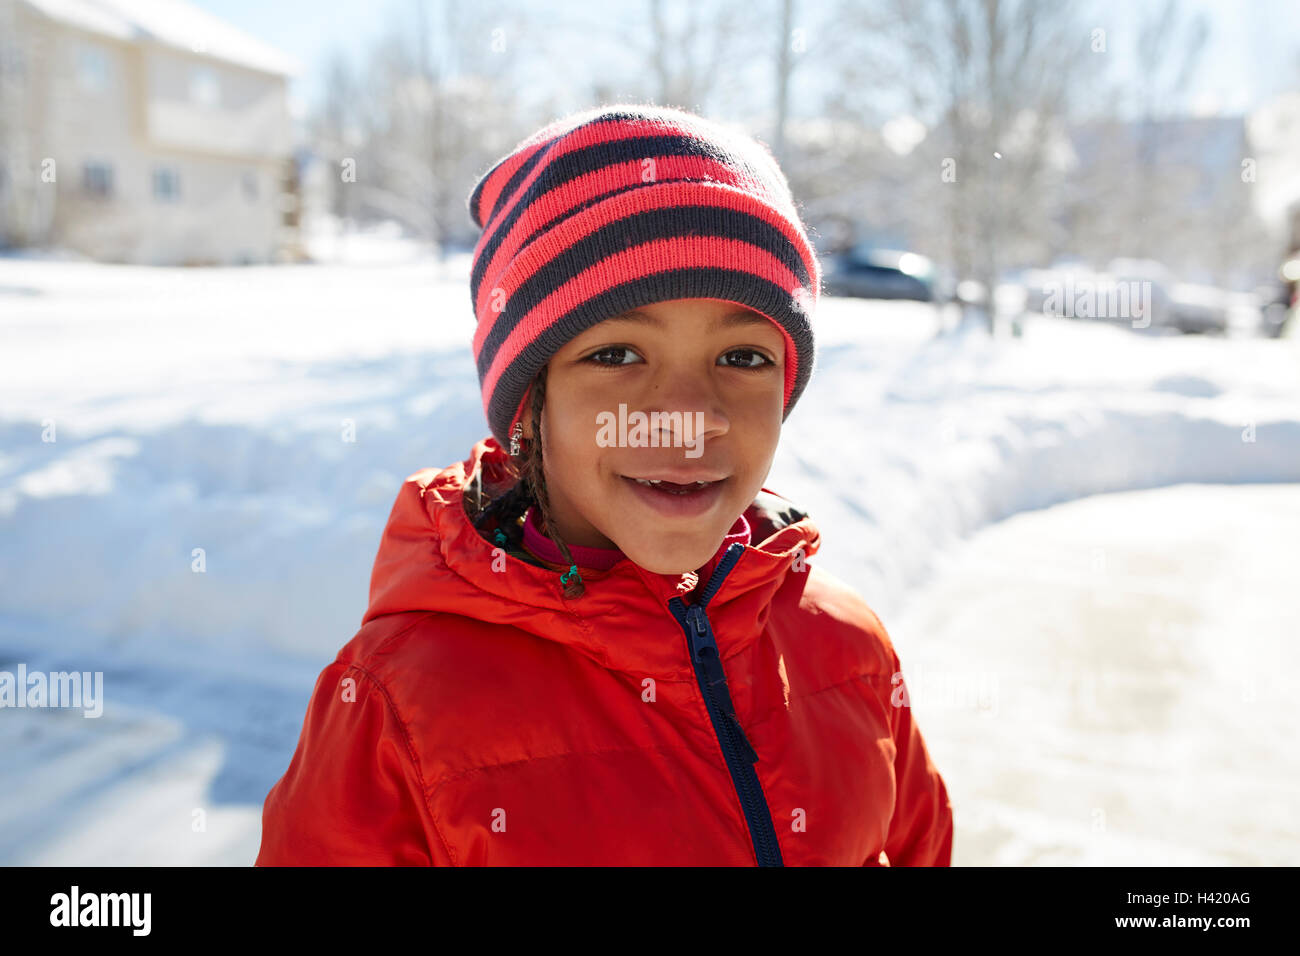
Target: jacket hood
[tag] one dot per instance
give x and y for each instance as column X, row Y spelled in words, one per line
column 431, row 558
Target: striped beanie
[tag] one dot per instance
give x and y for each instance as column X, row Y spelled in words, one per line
column 622, row 206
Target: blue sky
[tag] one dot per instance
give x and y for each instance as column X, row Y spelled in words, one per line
column 1253, row 50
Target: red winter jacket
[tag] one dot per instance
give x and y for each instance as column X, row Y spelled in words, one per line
column 479, row 717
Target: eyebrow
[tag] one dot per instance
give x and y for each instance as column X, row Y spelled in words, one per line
column 730, row 320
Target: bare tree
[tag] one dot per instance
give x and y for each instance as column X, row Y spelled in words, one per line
column 704, row 57
column 430, row 107
column 1168, row 49
column 993, row 80
column 1154, row 181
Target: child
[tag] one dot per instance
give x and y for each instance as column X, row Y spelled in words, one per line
column 600, row 640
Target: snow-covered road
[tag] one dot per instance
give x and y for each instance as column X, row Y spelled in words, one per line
column 1113, row 681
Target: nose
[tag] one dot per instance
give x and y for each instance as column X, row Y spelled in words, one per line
column 686, row 401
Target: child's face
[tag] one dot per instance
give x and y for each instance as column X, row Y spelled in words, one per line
column 726, row 379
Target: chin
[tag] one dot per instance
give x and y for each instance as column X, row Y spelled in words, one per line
column 674, row 563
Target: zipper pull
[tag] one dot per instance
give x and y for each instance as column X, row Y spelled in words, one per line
column 703, row 637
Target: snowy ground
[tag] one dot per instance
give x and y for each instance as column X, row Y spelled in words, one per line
column 211, row 409
column 1112, row 681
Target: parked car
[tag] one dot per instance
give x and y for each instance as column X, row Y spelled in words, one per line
column 1245, row 314
column 1198, row 308
column 871, row 273
column 1075, row 291
column 1138, row 293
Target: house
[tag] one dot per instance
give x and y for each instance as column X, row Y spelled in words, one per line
column 142, row 131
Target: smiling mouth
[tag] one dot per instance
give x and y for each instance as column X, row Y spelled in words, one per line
column 672, row 487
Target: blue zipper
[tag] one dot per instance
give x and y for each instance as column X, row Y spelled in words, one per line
column 736, row 749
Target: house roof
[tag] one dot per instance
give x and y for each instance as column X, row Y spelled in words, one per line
column 172, row 23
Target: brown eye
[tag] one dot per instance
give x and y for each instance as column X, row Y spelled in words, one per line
column 748, row 355
column 618, row 351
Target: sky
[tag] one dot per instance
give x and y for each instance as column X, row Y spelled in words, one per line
column 1253, row 51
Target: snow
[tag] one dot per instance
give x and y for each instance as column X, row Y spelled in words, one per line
column 1130, row 660
column 85, row 16
column 203, row 417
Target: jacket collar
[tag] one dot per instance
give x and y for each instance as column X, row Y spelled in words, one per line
column 432, row 558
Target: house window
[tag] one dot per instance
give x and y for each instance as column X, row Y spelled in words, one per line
column 97, row 179
column 205, row 90
column 249, row 183
column 166, row 184
column 92, row 68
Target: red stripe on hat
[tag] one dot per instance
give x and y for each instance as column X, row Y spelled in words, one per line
column 496, row 178
column 645, row 259
column 659, row 196
column 553, row 204
column 580, row 137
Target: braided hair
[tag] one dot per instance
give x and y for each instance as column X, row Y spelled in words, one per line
column 530, row 488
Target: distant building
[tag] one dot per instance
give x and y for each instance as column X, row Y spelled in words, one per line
column 143, row 131
column 1182, row 190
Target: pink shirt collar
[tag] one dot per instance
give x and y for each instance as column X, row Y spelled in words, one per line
column 602, row 559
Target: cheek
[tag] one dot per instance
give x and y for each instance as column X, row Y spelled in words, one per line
column 760, row 413
column 571, row 435
column 756, row 432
